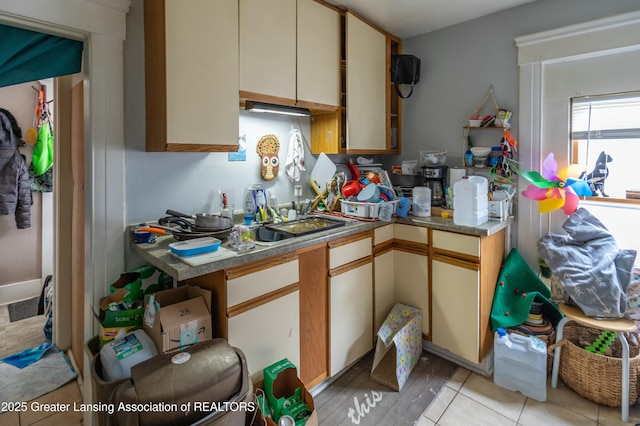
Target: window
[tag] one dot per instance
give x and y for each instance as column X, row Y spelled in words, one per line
column 605, row 135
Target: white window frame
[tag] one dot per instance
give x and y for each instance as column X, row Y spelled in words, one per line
column 609, row 36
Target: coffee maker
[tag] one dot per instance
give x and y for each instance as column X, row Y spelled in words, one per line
column 435, row 177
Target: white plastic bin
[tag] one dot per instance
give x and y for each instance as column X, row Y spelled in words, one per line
column 120, row 354
column 520, row 364
column 470, row 202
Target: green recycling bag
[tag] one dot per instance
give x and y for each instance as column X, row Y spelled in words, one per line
column 43, row 151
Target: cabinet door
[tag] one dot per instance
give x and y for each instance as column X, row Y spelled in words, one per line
column 267, row 333
column 318, row 58
column 412, row 282
column 188, row 91
column 268, row 47
column 383, row 281
column 455, row 307
column 366, row 86
column 350, row 316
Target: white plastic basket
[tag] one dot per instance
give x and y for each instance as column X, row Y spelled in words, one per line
column 365, row 210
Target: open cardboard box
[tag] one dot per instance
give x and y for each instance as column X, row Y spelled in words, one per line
column 177, row 317
column 281, row 380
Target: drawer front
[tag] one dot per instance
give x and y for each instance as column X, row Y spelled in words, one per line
column 342, row 255
column 465, row 244
column 417, row 234
column 261, row 282
column 382, row 234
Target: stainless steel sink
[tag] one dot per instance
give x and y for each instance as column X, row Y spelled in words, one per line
column 306, row 225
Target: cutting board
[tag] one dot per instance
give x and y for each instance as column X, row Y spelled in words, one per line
column 322, row 171
column 201, row 259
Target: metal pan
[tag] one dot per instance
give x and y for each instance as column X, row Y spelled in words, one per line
column 212, row 221
column 182, row 235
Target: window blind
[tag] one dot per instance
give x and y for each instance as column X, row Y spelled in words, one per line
column 606, row 117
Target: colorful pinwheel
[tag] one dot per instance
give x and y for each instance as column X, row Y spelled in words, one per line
column 553, row 190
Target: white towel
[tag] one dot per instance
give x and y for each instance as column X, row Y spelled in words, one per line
column 294, row 166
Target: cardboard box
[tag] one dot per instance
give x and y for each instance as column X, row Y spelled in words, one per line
column 178, row 317
column 399, row 346
column 285, row 393
column 120, row 320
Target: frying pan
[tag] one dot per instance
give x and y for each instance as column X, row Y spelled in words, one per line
column 212, row 221
column 181, row 234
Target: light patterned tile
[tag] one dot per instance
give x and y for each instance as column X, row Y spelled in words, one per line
column 611, row 416
column 465, row 411
column 483, row 390
column 564, row 396
column 458, row 378
column 423, row 421
column 439, row 405
column 540, row 413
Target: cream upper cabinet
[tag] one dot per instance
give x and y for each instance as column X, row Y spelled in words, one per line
column 188, row 93
column 318, row 58
column 366, row 90
column 268, row 47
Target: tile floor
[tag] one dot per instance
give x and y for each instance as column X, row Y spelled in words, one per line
column 467, row 399
column 24, row 334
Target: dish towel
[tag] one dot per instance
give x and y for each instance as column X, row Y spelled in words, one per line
column 294, row 166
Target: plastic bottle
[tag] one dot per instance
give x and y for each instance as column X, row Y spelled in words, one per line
column 494, row 156
column 520, row 364
column 470, row 201
column 122, row 353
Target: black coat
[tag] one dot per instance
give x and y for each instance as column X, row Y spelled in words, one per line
column 15, row 192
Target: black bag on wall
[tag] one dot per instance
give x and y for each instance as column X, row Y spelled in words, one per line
column 405, row 69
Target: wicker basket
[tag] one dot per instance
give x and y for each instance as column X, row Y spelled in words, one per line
column 596, row 377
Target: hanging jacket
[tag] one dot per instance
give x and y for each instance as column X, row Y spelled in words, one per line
column 15, row 193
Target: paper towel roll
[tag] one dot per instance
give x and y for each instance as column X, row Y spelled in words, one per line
column 455, row 174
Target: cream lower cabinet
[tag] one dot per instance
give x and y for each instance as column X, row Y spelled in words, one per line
column 350, row 301
column 411, row 269
column 412, row 282
column 464, row 271
column 263, row 314
column 455, row 306
column 383, row 275
column 351, row 316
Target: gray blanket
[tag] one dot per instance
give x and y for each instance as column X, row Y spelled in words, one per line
column 594, row 272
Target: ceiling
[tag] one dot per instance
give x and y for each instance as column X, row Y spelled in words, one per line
column 408, row 18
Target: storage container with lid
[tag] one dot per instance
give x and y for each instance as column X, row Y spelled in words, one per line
column 421, row 205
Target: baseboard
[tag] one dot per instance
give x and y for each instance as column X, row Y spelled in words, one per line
column 15, row 292
column 485, row 367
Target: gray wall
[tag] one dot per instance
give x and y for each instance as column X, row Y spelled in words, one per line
column 460, row 62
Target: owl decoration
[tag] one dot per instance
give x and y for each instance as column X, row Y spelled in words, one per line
column 267, row 149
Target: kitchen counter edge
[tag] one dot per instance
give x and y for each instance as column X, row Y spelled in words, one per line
column 158, row 254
